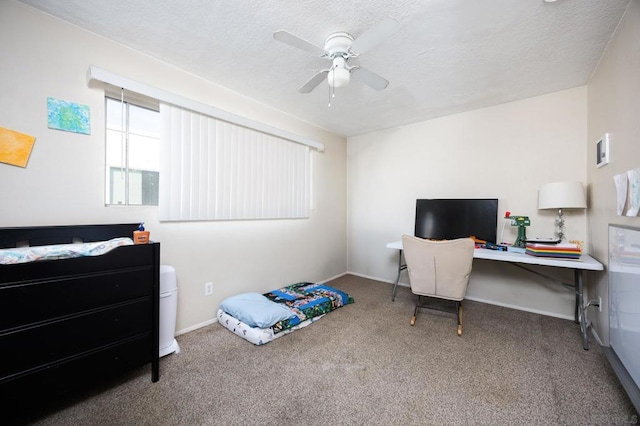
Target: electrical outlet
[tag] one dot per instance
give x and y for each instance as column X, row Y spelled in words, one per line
column 208, row 289
column 600, row 303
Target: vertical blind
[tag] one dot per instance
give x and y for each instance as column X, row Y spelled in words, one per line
column 211, row 169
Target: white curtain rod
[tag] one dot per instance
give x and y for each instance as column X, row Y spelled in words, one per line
column 98, row 74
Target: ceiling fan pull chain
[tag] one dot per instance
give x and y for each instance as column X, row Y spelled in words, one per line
column 333, row 85
column 332, row 92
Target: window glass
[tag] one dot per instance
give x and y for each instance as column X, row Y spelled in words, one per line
column 132, row 153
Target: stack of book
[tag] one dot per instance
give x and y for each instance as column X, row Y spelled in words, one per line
column 563, row 250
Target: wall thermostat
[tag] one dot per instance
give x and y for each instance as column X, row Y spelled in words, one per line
column 602, row 151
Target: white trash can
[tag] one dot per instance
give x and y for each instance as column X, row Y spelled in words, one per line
column 168, row 310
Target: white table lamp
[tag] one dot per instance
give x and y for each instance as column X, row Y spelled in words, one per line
column 561, row 195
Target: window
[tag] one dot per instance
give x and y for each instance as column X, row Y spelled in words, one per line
column 216, row 170
column 132, row 150
column 243, row 170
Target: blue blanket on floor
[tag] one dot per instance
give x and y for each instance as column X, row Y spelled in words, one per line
column 307, row 300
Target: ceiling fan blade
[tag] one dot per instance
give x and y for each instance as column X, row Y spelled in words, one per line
column 375, row 35
column 313, row 82
column 369, row 78
column 295, row 41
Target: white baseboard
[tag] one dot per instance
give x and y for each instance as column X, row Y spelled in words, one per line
column 197, row 326
column 334, row 277
column 375, row 278
column 521, row 308
column 477, row 299
column 215, row 320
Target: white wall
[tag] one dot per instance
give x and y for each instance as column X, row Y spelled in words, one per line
column 63, row 183
column 613, row 105
column 503, row 152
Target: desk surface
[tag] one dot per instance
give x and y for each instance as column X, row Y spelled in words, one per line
column 584, row 262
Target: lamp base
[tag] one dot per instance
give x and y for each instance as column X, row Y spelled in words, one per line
column 560, row 230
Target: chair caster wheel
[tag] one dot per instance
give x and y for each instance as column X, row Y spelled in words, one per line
column 413, row 320
column 459, row 330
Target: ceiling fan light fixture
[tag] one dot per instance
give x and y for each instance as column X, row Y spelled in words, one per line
column 338, row 49
column 338, row 77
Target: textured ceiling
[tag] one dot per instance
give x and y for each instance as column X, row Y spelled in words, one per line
column 448, row 56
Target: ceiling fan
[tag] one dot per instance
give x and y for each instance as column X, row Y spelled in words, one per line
column 338, row 48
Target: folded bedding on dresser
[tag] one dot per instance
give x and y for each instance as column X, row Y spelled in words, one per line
column 304, row 303
column 11, row 256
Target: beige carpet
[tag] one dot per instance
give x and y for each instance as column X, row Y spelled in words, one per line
column 365, row 365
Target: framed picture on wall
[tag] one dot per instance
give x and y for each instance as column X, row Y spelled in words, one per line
column 602, row 151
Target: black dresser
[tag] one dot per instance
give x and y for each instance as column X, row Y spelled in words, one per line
column 66, row 324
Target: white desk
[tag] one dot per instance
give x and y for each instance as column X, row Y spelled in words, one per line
column 584, row 263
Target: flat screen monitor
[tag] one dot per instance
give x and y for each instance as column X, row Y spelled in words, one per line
column 446, row 219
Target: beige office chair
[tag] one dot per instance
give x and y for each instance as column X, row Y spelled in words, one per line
column 438, row 269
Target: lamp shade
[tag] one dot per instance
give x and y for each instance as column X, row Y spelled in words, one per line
column 562, row 195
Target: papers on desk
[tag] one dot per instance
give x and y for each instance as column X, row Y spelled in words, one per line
column 562, row 250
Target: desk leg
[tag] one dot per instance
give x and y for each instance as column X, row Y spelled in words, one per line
column 578, row 293
column 400, row 268
column 580, row 317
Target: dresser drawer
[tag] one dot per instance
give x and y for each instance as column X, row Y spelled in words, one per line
column 26, row 389
column 35, row 301
column 53, row 341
